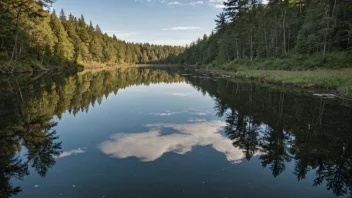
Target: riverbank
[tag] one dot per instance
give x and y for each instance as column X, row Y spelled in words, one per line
column 25, row 69
column 102, row 66
column 337, row 82
column 20, row 69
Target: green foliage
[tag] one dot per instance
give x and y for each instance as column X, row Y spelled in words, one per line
column 43, row 38
column 284, row 35
column 339, row 80
column 334, row 60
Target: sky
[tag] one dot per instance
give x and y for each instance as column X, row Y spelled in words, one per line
column 170, row 22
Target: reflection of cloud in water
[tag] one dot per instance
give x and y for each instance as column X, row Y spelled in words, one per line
column 163, row 114
column 71, row 152
column 149, row 146
column 166, row 113
column 169, row 113
column 200, row 113
column 196, row 120
column 195, row 112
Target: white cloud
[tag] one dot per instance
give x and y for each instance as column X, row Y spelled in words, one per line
column 199, row 113
column 196, row 120
column 217, row 3
column 151, row 145
column 218, row 6
column 181, row 28
column 196, row 3
column 71, row 152
column 164, row 114
column 211, row 3
column 183, row 94
column 174, row 3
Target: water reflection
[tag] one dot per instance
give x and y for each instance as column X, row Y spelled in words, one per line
column 281, row 127
column 151, row 145
column 28, row 105
column 286, row 127
column 71, row 152
column 26, row 140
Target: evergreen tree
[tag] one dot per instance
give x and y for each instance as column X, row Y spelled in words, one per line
column 98, row 30
column 96, row 49
column 63, row 48
column 62, row 16
column 220, row 21
column 145, row 58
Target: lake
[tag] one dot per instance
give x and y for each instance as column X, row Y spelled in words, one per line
column 166, row 132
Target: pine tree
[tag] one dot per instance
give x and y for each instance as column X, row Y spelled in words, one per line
column 145, row 58
column 82, row 31
column 96, row 49
column 220, row 22
column 62, row 16
column 63, row 48
column 98, row 30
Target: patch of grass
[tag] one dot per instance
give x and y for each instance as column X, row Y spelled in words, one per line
column 335, row 60
column 333, row 80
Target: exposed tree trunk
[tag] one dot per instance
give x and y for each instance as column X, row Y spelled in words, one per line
column 327, row 11
column 42, row 59
column 289, row 38
column 14, row 51
column 325, row 43
column 266, row 42
column 237, row 52
column 284, row 31
column 276, row 36
column 227, row 53
column 333, row 10
column 251, row 46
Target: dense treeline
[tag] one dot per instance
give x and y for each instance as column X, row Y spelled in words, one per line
column 31, row 37
column 313, row 33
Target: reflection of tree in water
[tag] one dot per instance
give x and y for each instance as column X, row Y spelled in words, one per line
column 22, row 129
column 28, row 104
column 243, row 132
column 312, row 133
column 274, row 150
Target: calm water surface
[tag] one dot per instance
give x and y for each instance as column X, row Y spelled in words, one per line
column 166, row 133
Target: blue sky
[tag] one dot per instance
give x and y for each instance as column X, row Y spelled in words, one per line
column 173, row 22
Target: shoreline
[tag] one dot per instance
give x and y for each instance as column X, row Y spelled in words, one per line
column 82, row 68
column 337, row 83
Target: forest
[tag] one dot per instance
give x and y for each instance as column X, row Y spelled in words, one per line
column 249, row 34
column 34, row 38
column 280, row 35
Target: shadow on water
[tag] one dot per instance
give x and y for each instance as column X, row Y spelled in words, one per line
column 280, row 127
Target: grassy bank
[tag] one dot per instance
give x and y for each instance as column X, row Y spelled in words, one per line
column 337, row 60
column 336, row 81
column 333, row 73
